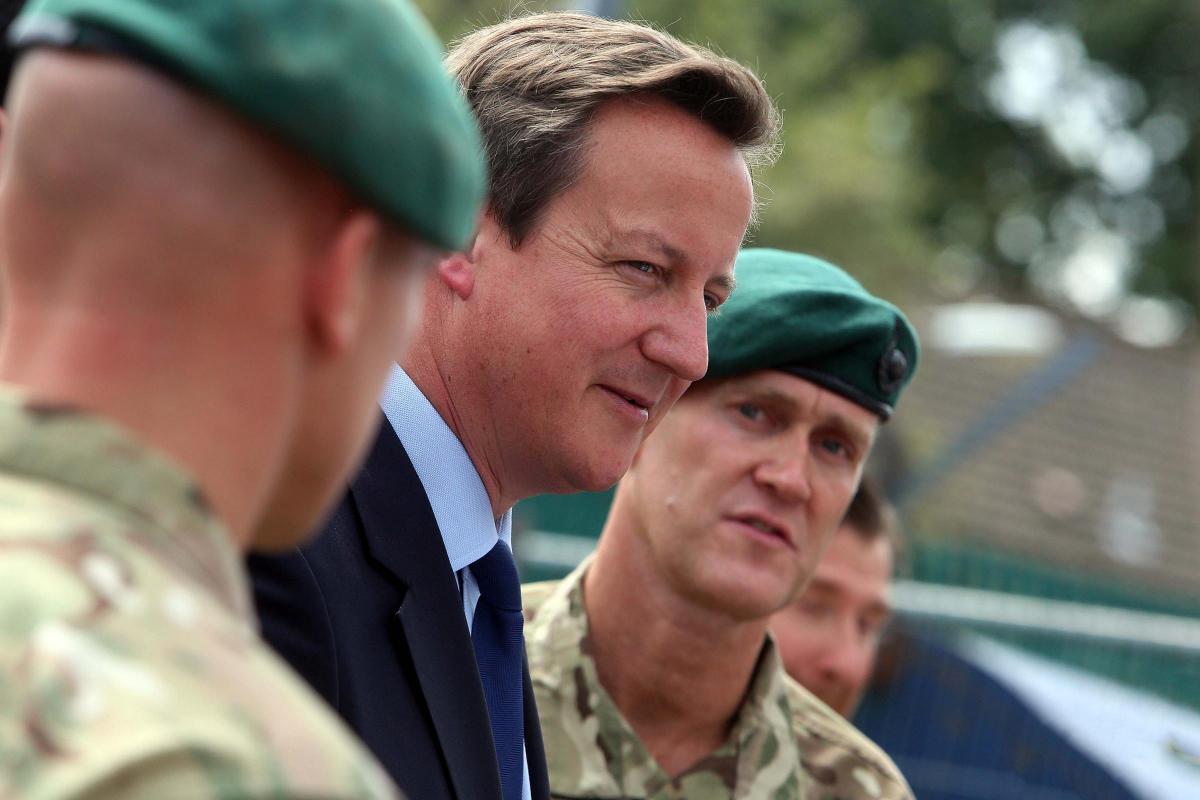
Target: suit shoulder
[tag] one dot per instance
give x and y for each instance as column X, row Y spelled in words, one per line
column 840, row 758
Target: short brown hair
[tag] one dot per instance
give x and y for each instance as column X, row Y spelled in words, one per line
column 535, row 81
column 870, row 516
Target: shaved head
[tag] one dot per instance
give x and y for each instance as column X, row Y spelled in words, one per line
column 158, row 251
column 106, row 154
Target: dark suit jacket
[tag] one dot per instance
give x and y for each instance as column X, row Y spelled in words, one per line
column 370, row 614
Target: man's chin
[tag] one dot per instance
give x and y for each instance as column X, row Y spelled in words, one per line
column 599, row 474
column 279, row 538
column 737, row 597
column 282, row 529
column 598, row 480
column 842, row 705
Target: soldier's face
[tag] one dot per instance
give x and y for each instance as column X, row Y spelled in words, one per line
column 391, row 313
column 828, row 638
column 338, row 413
column 739, row 490
column 592, row 327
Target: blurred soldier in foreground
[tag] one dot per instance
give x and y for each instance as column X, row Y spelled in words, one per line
column 620, row 191
column 217, row 219
column 654, row 673
column 829, row 637
column 9, row 9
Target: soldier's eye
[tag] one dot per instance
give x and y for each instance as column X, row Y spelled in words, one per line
column 750, row 411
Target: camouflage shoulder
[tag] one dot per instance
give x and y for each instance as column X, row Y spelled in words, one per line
column 123, row 677
column 837, row 756
column 161, row 764
column 130, row 733
column 533, row 595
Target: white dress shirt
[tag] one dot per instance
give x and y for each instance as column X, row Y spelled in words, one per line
column 456, row 492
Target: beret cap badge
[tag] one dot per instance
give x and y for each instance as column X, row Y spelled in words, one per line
column 893, row 365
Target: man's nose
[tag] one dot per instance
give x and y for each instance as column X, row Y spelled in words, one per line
column 785, row 471
column 679, row 340
column 846, row 660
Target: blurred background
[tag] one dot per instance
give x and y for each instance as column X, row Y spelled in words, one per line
column 1021, row 178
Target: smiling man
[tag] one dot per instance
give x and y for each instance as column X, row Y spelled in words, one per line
column 620, row 189
column 653, row 670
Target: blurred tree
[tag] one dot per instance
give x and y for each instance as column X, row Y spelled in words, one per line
column 1018, row 149
column 1061, row 151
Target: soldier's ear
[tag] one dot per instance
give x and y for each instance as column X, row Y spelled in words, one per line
column 337, row 281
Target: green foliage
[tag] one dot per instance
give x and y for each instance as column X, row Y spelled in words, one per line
column 453, row 18
column 900, row 165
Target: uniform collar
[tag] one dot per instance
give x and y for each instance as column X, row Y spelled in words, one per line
column 84, row 453
column 560, row 656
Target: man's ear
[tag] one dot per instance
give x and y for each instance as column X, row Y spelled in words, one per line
column 457, row 270
column 337, row 282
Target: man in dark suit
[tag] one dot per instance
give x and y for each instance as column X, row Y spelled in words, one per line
column 619, row 162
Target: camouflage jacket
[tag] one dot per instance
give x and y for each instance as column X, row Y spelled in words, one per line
column 130, row 665
column 784, row 744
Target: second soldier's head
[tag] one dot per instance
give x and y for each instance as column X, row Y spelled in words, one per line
column 737, row 493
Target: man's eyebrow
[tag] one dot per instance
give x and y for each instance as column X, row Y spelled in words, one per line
column 657, row 242
column 726, row 282
column 674, row 255
column 775, row 398
column 845, row 425
column 839, row 421
column 822, row 586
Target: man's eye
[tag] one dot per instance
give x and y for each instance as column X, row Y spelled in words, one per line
column 835, row 447
column 872, row 627
column 817, row 609
column 643, row 266
column 711, row 301
column 750, row 411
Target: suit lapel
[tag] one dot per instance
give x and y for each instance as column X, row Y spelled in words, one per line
column 535, row 750
column 402, row 536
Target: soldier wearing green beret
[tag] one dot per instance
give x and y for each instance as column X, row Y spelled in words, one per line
column 218, row 218
column 654, row 673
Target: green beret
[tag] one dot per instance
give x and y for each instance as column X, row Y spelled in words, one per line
column 357, row 86
column 804, row 316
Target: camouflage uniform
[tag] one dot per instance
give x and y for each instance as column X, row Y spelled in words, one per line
column 784, row 744
column 129, row 662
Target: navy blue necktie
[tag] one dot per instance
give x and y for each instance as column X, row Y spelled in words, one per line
column 496, row 634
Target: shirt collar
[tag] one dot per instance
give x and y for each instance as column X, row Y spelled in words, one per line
column 88, row 454
column 456, row 492
column 563, row 658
